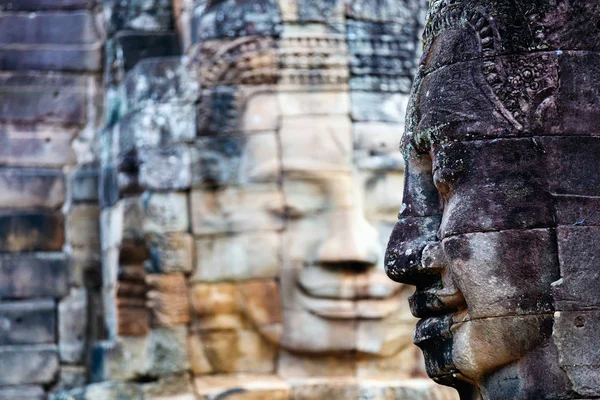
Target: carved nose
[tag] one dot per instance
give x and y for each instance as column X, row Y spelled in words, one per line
column 352, row 241
column 405, row 248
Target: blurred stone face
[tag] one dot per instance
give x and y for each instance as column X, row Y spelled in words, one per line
column 495, row 160
column 314, row 217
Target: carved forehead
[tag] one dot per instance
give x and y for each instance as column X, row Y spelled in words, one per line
column 460, row 30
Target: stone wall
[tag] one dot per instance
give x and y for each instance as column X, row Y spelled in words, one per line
column 50, row 109
column 244, row 177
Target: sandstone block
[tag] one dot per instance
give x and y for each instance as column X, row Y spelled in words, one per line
column 236, row 209
column 28, row 392
column 32, row 231
column 165, row 212
column 33, row 275
column 376, row 146
column 321, row 11
column 113, row 390
column 569, row 158
column 328, row 103
column 162, row 352
column 72, row 377
column 219, row 161
column 26, row 37
column 172, row 252
column 34, row 96
column 84, row 183
column 576, row 288
column 480, row 178
column 251, row 387
column 381, row 107
column 173, row 387
column 41, row 366
column 299, row 134
column 378, row 188
column 235, row 258
column 576, row 210
column 167, row 299
column 31, row 188
column 36, row 5
column 139, row 15
column 135, row 46
column 27, row 322
column 155, row 125
column 231, row 351
column 72, row 326
column 510, row 263
column 83, row 227
column 174, row 172
column 242, row 109
column 230, row 20
column 36, row 145
column 161, row 80
column 573, row 333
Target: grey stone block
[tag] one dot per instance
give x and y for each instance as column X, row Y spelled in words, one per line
column 33, row 275
column 28, row 364
column 27, row 322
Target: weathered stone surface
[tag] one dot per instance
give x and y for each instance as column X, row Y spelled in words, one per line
column 31, row 41
column 575, row 334
column 139, row 15
column 475, row 265
column 41, row 366
column 230, row 20
column 570, row 158
column 83, row 227
column 126, row 48
column 161, row 80
column 299, row 134
column 576, row 288
column 245, row 108
column 71, row 377
column 31, row 188
column 133, row 317
column 51, row 97
column 175, row 170
column 173, row 387
column 22, row 393
column 313, row 103
column 36, row 5
column 167, row 299
column 235, row 258
column 219, row 161
column 84, row 184
column 157, row 124
column 380, row 107
column 73, row 326
column 173, row 252
column 480, row 180
column 249, row 387
column 164, row 212
column 162, row 352
column 376, row 146
column 32, row 231
column 236, row 209
column 33, row 275
column 37, row 145
column 27, row 322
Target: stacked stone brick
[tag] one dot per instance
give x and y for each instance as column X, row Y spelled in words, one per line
column 50, row 107
column 193, row 178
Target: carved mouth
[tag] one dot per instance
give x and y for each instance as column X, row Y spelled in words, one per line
column 435, row 303
column 348, row 293
column 350, row 308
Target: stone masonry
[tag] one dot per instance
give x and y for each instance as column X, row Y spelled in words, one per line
column 197, row 197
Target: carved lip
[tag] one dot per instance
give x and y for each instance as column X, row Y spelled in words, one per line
column 435, row 303
column 348, row 308
column 432, row 329
column 321, row 282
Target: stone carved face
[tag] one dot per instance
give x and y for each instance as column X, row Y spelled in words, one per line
column 495, row 147
column 320, row 216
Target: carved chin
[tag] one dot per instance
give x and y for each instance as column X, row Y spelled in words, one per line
column 483, row 346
